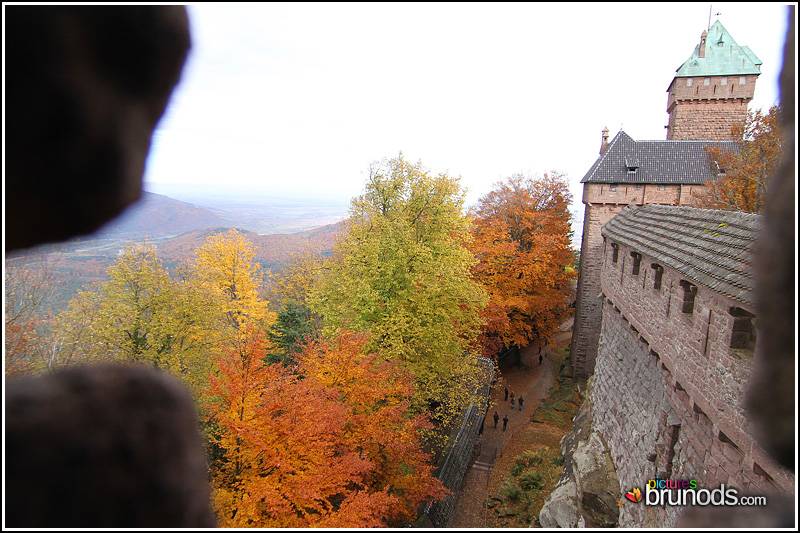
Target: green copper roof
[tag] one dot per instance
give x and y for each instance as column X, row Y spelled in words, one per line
column 723, row 57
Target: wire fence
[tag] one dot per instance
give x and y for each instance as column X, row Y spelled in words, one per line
column 462, row 447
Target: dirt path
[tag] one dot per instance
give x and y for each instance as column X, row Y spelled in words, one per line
column 529, row 380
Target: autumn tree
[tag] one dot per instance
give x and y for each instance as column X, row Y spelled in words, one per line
column 224, row 264
column 30, row 287
column 521, row 238
column 402, row 272
column 299, row 449
column 741, row 176
column 140, row 315
column 377, row 395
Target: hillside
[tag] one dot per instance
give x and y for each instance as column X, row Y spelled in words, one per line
column 272, row 251
column 155, row 215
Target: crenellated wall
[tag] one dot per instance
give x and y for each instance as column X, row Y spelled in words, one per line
column 708, row 107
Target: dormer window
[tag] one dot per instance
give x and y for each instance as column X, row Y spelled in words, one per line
column 719, row 167
column 632, row 165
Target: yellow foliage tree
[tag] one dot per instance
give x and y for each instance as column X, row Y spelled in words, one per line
column 402, row 272
column 225, row 264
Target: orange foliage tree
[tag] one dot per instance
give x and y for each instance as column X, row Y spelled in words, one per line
column 297, row 449
column 521, row 238
column 741, row 177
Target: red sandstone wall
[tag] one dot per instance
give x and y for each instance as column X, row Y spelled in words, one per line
column 667, row 383
column 601, row 205
column 700, row 111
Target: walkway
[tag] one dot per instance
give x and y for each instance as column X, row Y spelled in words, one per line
column 530, row 380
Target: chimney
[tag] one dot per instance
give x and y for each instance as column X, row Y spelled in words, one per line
column 604, row 144
column 703, row 44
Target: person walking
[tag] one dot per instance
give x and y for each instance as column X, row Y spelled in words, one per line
column 506, row 399
column 505, row 422
column 540, row 355
column 512, row 401
column 496, row 418
column 520, row 403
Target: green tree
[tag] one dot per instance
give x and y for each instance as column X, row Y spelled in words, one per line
column 140, row 315
column 289, row 332
column 402, row 272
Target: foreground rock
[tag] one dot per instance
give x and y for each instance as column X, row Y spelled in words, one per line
column 587, row 492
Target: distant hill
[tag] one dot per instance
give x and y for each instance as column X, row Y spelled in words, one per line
column 271, row 251
column 155, row 215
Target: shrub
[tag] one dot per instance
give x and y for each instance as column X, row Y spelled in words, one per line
column 531, row 480
column 528, row 458
column 512, row 491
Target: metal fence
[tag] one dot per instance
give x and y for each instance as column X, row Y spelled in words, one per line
column 462, row 446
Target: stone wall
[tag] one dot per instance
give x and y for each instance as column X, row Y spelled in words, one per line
column 705, row 119
column 668, row 389
column 700, row 111
column 602, row 203
column 586, row 328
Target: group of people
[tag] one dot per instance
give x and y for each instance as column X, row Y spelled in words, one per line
column 505, row 418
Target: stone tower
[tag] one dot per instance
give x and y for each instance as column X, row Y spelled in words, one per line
column 709, row 94
column 712, row 88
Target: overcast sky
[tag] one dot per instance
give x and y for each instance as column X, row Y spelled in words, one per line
column 295, row 100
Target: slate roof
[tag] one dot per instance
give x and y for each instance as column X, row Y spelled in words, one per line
column 713, row 248
column 723, row 57
column 662, row 162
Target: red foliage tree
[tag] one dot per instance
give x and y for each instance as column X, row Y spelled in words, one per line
column 297, row 448
column 521, row 238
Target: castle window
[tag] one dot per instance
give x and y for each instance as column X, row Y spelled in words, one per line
column 638, row 186
column 615, row 255
column 707, row 81
column 742, row 80
column 659, row 274
column 743, row 335
column 689, row 292
column 612, row 187
column 662, row 187
column 632, row 165
column 724, row 80
column 689, row 82
column 637, row 261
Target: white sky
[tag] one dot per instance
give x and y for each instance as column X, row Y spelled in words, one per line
column 295, row 100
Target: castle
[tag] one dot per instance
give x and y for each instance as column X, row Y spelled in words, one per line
column 665, row 321
column 708, row 95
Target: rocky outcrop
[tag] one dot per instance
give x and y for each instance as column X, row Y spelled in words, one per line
column 84, row 89
column 587, row 493
column 103, row 447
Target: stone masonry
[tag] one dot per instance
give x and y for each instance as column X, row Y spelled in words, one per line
column 668, row 386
